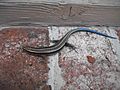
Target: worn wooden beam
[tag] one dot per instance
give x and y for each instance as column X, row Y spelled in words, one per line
column 69, row 12
column 92, row 2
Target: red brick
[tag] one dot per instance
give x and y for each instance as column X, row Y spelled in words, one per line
column 20, row 70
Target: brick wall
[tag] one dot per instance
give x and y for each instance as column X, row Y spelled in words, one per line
column 94, row 65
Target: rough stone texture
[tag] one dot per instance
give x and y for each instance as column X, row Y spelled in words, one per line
column 20, row 70
column 96, row 66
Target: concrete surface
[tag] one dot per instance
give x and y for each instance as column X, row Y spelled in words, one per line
column 95, row 66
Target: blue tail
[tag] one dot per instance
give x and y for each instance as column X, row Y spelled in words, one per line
column 94, row 31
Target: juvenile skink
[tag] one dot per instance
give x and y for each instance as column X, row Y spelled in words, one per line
column 61, row 43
